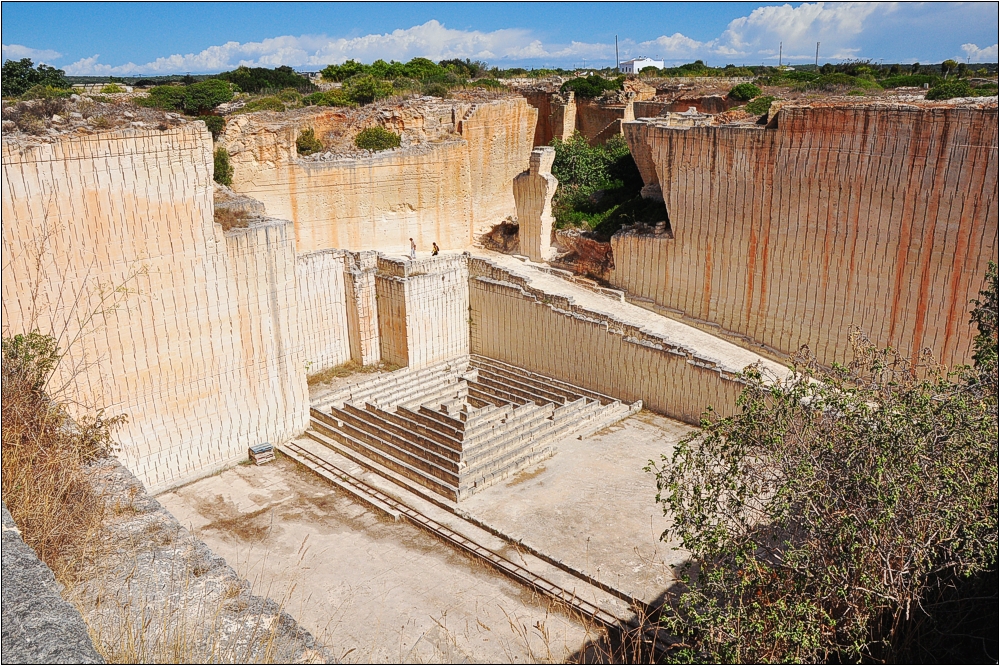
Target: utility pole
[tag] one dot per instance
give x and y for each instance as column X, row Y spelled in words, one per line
column 779, row 54
column 817, row 55
column 618, row 63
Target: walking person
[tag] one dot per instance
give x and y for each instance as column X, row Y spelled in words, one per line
column 434, row 249
column 413, row 250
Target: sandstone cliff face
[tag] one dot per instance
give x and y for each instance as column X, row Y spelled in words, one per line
column 199, row 352
column 451, row 179
column 880, row 216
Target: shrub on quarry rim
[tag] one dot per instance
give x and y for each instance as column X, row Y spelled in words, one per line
column 745, row 92
column 376, row 138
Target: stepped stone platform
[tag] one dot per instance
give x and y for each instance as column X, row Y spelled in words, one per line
column 461, row 425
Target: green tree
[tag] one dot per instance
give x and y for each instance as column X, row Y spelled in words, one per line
column 164, row 97
column 376, row 138
column 18, row 76
column 223, row 172
column 365, row 89
column 950, row 90
column 215, row 125
column 343, row 72
column 260, row 79
column 745, row 92
column 202, row 97
column 307, row 143
column 947, row 67
column 830, row 514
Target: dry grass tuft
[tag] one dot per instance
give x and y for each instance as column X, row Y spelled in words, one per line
column 232, row 219
column 44, row 453
column 348, row 369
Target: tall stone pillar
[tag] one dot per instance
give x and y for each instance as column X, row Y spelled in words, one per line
column 533, row 192
column 362, row 307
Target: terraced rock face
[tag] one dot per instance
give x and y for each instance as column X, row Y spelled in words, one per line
column 460, row 426
column 838, row 214
column 449, row 180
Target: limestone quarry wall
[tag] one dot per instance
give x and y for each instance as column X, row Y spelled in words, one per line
column 877, row 216
column 513, row 321
column 323, row 309
column 196, row 345
column 442, row 191
column 423, row 309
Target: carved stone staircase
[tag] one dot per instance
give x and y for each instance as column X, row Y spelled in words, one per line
column 457, row 427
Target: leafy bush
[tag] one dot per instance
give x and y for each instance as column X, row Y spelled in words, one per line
column 599, row 186
column 745, row 92
column 436, row 90
column 342, row 72
column 18, row 76
column 839, row 80
column 376, row 138
column 223, row 173
column 44, row 91
column 365, row 89
column 909, row 81
column 260, row 79
column 215, row 124
column 760, row 105
column 111, row 89
column 206, row 95
column 833, row 513
column 329, row 98
column 949, row 90
column 649, row 71
column 264, row 104
column 490, row 84
column 289, row 96
column 592, row 86
column 44, row 451
column 307, row 143
column 465, row 68
column 164, row 97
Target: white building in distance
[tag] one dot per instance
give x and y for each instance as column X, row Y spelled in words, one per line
column 636, row 65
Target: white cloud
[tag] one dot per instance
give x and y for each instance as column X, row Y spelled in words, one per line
column 836, row 26
column 976, row 54
column 430, row 40
column 842, row 29
column 16, row 52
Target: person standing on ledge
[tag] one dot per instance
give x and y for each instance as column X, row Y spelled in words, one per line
column 413, row 250
column 434, row 249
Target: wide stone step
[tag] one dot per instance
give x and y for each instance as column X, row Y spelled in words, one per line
column 401, row 419
column 444, row 419
column 431, row 423
column 477, row 392
column 482, row 362
column 376, row 420
column 530, row 413
column 488, row 447
column 498, row 396
column 327, row 437
column 535, row 396
column 386, row 447
column 555, row 393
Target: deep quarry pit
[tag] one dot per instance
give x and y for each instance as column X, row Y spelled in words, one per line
column 481, row 496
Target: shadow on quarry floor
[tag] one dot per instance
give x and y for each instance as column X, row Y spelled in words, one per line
column 376, row 590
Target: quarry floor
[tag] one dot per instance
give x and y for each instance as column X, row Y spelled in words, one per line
column 373, row 590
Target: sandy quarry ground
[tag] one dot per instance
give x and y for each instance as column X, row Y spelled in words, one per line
column 375, row 590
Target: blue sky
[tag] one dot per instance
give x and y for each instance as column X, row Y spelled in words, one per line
column 168, row 38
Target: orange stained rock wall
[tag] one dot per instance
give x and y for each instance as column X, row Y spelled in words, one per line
column 199, row 353
column 875, row 216
column 437, row 191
